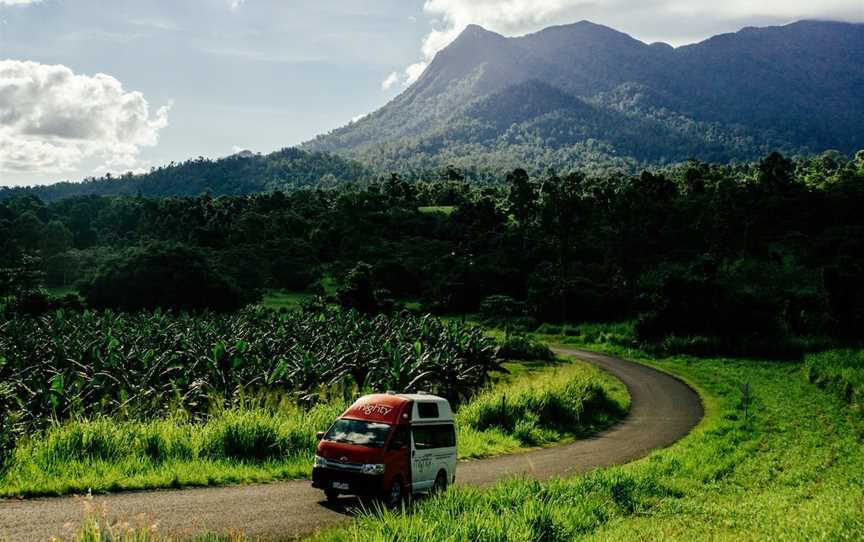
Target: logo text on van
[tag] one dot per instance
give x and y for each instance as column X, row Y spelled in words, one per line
column 381, row 410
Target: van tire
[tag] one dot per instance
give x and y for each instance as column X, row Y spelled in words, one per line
column 394, row 495
column 440, row 484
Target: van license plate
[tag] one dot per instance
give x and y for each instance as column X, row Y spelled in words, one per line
column 340, row 485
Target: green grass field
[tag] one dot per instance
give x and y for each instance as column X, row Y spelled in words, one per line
column 441, row 209
column 787, row 465
column 283, row 299
column 259, row 445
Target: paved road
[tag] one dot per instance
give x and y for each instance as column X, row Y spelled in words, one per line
column 663, row 410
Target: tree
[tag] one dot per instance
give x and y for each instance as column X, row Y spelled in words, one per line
column 776, row 173
column 56, row 238
column 162, row 275
column 358, row 291
column 522, row 197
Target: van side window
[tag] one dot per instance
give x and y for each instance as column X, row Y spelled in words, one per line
column 427, row 410
column 400, row 438
column 434, row 436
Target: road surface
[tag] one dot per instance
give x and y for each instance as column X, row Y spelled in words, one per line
column 663, row 410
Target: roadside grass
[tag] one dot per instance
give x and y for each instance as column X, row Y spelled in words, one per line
column 542, row 403
column 538, row 408
column 840, row 372
column 97, row 529
column 782, row 462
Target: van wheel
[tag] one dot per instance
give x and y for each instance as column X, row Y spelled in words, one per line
column 331, row 495
column 394, row 495
column 440, row 483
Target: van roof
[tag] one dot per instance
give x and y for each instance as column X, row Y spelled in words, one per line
column 383, row 407
column 391, row 408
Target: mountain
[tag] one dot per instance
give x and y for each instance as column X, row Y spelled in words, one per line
column 240, row 174
column 587, row 95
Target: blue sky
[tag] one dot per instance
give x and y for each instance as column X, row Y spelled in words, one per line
column 188, row 78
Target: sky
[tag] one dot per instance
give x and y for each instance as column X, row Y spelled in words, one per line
column 95, row 86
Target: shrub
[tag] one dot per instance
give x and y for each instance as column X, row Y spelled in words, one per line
column 524, row 348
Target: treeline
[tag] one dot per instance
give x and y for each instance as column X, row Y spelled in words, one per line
column 237, row 175
column 714, row 256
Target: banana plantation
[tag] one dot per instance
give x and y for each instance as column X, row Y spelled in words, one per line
column 144, row 365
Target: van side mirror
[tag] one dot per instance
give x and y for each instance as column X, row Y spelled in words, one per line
column 319, row 435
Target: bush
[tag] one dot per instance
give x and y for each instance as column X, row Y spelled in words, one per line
column 523, row 348
column 499, row 310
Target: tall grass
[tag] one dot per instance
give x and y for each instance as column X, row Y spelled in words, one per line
column 276, row 440
column 839, row 371
column 105, row 454
column 544, row 407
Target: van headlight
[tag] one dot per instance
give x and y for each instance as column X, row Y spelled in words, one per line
column 372, row 468
column 320, row 461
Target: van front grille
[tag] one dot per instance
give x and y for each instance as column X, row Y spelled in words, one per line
column 342, row 465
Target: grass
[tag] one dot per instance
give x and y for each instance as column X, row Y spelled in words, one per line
column 839, row 371
column 61, row 291
column 542, row 404
column 236, row 446
column 788, row 467
column 98, row 529
column 539, row 408
column 284, row 299
column 440, row 209
column 291, row 300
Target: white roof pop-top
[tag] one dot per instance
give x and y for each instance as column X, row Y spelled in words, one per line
column 428, row 408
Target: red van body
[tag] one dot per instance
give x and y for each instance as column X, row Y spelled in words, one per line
column 369, row 449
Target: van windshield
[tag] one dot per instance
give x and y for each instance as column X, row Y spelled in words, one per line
column 358, row 432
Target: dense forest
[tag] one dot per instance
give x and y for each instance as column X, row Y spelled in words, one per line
column 722, row 255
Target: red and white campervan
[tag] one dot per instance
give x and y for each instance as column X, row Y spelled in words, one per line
column 389, row 446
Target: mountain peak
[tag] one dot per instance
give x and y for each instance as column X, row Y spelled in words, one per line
column 474, row 32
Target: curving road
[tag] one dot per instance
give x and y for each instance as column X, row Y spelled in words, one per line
column 663, row 410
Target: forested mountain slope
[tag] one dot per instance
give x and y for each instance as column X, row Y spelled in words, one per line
column 241, row 174
column 584, row 95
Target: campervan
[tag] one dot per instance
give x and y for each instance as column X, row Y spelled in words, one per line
column 389, row 446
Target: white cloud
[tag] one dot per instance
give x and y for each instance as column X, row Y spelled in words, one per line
column 669, row 20
column 52, row 119
column 235, row 4
column 391, row 81
column 17, row 2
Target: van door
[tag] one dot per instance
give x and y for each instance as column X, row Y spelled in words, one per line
column 433, row 450
column 396, row 457
column 422, row 452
